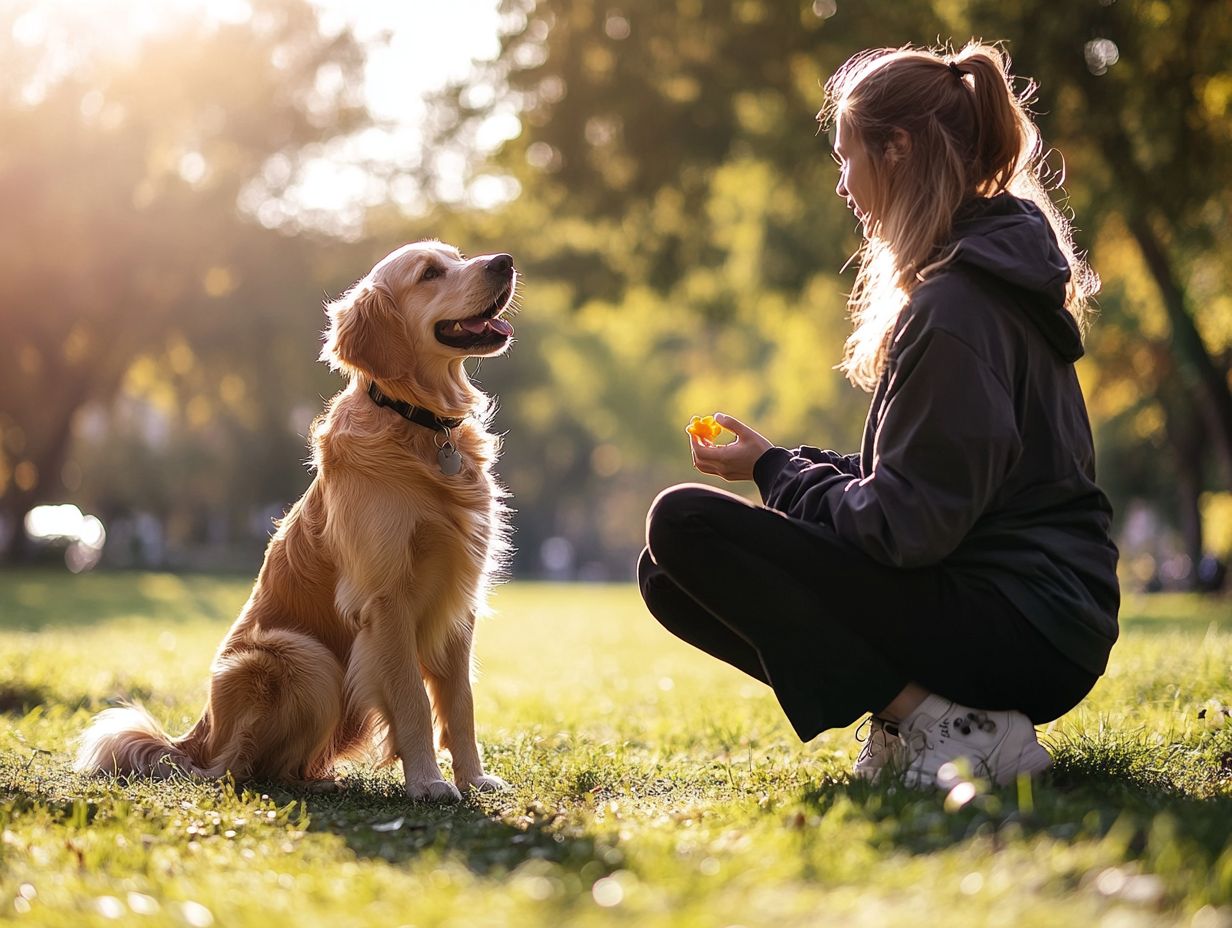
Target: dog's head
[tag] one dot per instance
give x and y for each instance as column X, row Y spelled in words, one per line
column 420, row 311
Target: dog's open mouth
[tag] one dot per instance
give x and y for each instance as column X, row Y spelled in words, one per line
column 485, row 330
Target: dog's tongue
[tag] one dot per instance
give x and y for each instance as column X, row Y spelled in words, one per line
column 478, row 326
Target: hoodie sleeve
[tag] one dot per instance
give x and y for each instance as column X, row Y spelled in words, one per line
column 846, row 463
column 946, row 436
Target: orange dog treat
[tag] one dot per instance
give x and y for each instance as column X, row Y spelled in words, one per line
column 704, row 428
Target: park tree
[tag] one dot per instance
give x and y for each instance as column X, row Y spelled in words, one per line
column 133, row 179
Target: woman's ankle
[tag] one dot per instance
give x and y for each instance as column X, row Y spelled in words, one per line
column 906, row 702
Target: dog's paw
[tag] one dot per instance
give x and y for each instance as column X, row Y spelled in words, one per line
column 486, row 784
column 441, row 791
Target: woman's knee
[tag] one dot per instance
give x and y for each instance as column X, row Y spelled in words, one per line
column 656, row 586
column 647, row 571
column 676, row 511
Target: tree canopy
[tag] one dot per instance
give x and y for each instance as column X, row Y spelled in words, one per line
column 671, row 211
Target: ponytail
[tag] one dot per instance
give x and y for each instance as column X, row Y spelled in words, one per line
column 1006, row 140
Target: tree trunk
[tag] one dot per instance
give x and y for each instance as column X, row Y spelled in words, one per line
column 1210, row 383
column 1188, row 434
column 16, row 548
column 1189, row 501
column 49, row 463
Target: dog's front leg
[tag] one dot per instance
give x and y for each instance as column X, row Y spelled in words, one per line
column 384, row 673
column 450, row 683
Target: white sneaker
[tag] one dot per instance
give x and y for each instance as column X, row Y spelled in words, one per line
column 883, row 748
column 999, row 745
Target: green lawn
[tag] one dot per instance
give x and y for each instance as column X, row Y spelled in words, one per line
column 652, row 787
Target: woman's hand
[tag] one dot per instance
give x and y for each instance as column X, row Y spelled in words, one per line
column 734, row 460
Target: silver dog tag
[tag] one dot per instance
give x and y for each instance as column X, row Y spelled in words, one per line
column 449, row 460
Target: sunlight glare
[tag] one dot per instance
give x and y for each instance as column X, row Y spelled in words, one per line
column 412, row 49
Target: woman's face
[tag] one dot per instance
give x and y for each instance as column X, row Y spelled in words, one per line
column 855, row 179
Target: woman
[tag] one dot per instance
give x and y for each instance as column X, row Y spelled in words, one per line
column 956, row 577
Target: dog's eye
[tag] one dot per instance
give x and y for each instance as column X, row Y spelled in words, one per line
column 431, row 272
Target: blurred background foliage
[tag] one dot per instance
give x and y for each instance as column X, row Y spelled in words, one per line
column 669, row 202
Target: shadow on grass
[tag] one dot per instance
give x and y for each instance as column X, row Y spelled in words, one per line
column 20, row 698
column 1146, row 625
column 1167, row 809
column 1175, row 612
column 35, row 599
column 490, row 833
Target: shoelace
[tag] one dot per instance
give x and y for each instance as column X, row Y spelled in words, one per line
column 890, row 728
column 875, row 724
column 867, row 723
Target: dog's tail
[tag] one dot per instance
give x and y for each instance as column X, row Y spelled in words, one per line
column 274, row 707
column 128, row 741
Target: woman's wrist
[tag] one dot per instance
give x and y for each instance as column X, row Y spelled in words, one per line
column 768, row 466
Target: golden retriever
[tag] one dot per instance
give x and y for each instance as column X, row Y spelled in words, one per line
column 360, row 623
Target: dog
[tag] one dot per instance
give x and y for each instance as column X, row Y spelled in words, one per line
column 360, row 624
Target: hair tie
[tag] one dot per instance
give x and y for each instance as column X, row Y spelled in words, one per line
column 956, row 70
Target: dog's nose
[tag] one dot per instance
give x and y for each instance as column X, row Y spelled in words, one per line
column 500, row 264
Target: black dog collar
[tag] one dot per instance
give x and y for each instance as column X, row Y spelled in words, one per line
column 416, row 414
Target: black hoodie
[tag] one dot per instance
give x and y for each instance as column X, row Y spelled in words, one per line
column 977, row 452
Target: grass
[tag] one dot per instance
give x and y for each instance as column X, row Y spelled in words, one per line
column 652, row 787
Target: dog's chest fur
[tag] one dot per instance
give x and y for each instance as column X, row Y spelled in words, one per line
column 433, row 537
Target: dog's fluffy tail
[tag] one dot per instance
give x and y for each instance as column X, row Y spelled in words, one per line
column 128, row 741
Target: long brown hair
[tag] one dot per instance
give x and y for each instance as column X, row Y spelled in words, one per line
column 970, row 135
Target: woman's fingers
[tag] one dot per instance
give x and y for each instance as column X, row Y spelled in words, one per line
column 740, row 430
column 732, row 461
column 732, row 424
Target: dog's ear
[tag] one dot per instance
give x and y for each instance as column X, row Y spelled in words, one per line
column 365, row 332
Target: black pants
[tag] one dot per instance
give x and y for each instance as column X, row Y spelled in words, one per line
column 835, row 633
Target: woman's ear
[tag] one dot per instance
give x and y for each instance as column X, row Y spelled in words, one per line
column 365, row 333
column 897, row 147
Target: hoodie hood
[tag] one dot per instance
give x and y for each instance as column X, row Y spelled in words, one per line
column 1011, row 239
